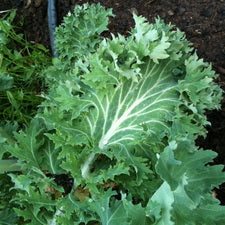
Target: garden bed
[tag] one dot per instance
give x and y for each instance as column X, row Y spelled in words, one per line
column 203, row 21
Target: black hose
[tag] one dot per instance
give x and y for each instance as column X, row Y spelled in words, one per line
column 52, row 24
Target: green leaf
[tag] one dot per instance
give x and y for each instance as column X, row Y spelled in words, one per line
column 51, row 161
column 21, row 182
column 163, row 197
column 6, row 82
column 109, row 214
column 143, row 30
column 28, row 144
column 124, row 109
column 8, row 217
column 159, row 51
column 188, row 184
column 166, row 163
column 79, row 33
column 69, row 208
column 136, row 213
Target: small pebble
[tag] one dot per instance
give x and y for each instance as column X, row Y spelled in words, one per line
column 170, row 13
column 198, row 32
column 181, row 10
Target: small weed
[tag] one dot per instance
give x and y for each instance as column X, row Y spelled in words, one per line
column 21, row 64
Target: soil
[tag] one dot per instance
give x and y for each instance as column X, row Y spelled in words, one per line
column 203, row 21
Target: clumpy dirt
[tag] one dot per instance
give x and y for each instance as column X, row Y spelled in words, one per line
column 33, row 15
column 203, row 21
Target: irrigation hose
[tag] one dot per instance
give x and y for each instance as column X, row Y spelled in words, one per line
column 52, row 24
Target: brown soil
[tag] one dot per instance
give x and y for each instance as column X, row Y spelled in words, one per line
column 203, row 21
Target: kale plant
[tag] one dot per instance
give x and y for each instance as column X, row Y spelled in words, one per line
column 121, row 118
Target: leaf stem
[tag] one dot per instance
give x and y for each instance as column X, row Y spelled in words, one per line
column 86, row 166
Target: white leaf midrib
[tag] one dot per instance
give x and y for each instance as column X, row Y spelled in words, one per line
column 127, row 114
